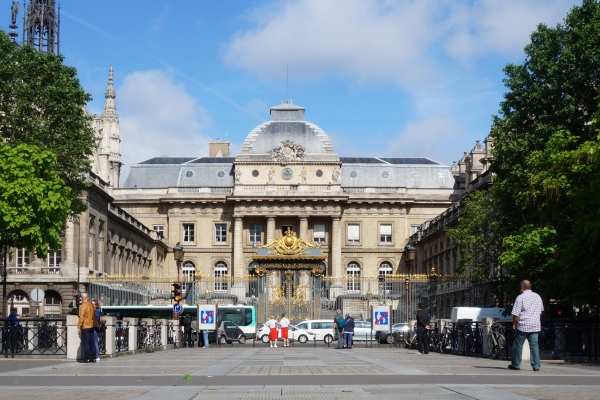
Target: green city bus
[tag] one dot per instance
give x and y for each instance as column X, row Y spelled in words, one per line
column 243, row 316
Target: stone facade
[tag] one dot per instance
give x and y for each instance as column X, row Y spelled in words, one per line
column 105, row 240
column 361, row 210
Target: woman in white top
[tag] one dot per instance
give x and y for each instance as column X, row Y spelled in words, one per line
column 272, row 324
column 284, row 323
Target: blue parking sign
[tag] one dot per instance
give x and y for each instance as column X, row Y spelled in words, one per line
column 381, row 318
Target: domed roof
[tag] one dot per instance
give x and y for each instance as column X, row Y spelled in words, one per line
column 287, row 127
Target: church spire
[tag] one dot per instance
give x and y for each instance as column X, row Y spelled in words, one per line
column 109, row 150
column 41, row 25
column 110, row 107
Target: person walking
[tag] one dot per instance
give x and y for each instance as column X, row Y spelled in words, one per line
column 338, row 327
column 284, row 323
column 423, row 328
column 187, row 331
column 85, row 328
column 348, row 331
column 272, row 324
column 96, row 332
column 527, row 324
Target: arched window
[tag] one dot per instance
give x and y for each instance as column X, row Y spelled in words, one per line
column 188, row 270
column 353, row 272
column 385, row 269
column 52, row 304
column 220, row 281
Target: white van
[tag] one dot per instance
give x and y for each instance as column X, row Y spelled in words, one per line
column 476, row 314
column 322, row 329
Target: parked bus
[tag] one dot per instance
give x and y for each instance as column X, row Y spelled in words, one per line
column 242, row 315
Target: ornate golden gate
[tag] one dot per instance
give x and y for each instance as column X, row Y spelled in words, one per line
column 289, row 272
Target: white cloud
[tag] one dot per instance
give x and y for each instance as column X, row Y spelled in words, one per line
column 157, row 117
column 436, row 137
column 385, row 41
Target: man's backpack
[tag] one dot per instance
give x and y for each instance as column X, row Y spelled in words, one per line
column 341, row 321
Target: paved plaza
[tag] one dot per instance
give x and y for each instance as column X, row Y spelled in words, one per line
column 300, row 372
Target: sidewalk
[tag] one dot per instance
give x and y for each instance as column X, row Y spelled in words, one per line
column 301, row 372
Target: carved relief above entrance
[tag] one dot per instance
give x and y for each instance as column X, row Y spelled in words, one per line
column 288, row 151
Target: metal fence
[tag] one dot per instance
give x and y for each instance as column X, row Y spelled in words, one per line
column 33, row 337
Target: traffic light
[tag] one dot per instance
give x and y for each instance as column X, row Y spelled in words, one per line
column 176, row 292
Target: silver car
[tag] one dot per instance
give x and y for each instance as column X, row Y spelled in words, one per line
column 388, row 337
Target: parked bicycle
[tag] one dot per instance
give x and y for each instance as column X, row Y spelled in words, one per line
column 445, row 342
column 497, row 342
column 149, row 342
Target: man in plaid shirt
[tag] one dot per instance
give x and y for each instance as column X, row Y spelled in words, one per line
column 527, row 324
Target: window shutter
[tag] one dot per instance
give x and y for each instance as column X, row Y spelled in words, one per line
column 319, row 231
column 353, row 233
column 385, row 230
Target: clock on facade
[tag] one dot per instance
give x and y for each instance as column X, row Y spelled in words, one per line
column 287, row 173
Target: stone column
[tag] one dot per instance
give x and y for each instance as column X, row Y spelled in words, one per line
column 304, row 228
column 336, row 248
column 67, row 265
column 238, row 247
column 270, row 229
column 238, row 288
column 74, row 349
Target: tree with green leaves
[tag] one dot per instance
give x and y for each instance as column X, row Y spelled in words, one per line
column 34, row 200
column 476, row 237
column 42, row 103
column 546, row 189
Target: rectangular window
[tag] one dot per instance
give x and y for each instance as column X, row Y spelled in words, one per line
column 319, row 233
column 53, row 258
column 413, row 229
column 221, row 233
column 160, row 229
column 385, row 233
column 255, row 233
column 22, row 258
column 188, row 233
column 353, row 233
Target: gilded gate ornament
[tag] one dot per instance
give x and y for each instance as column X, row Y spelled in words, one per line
column 289, row 245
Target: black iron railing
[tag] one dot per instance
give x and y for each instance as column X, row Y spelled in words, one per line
column 33, row 336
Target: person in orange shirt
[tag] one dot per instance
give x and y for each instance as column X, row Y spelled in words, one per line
column 85, row 328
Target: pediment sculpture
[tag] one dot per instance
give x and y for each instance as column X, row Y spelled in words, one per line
column 289, row 245
column 288, row 151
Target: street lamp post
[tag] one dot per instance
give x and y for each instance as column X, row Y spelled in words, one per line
column 433, row 278
column 410, row 252
column 178, row 254
column 381, row 280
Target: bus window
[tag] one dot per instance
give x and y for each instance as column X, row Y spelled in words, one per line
column 248, row 317
column 234, row 316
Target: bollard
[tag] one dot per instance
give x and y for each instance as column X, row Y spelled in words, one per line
column 486, row 327
column 132, row 334
column 164, row 329
column 74, row 349
column 110, row 334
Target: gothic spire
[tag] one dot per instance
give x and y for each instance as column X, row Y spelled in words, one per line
column 110, row 107
column 41, row 25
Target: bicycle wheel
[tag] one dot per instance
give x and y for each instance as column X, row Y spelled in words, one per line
column 502, row 352
column 149, row 345
column 175, row 341
column 445, row 346
column 492, row 347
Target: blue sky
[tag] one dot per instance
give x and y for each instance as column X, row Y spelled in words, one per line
column 406, row 78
